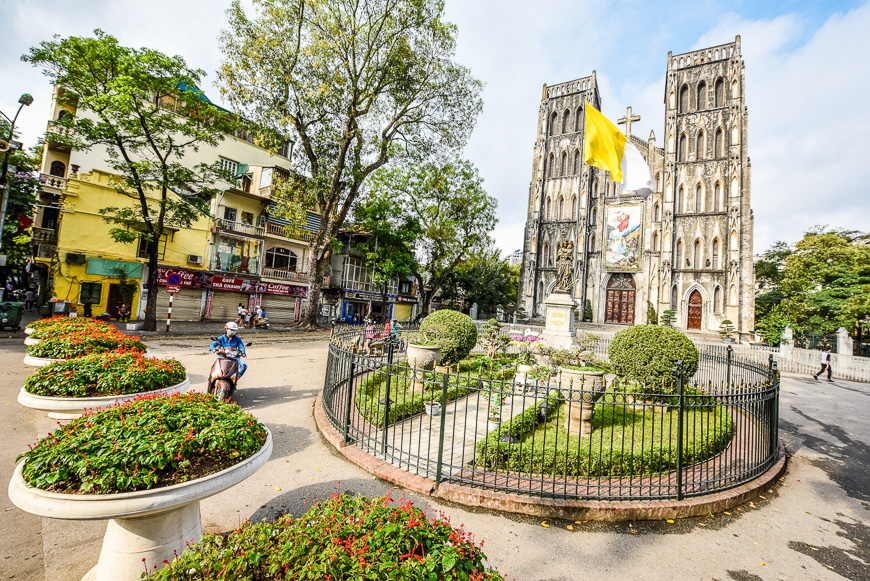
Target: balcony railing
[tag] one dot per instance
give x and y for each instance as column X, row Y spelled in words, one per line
column 281, row 274
column 287, row 231
column 57, row 128
column 234, row 263
column 51, row 181
column 240, row 227
column 43, row 235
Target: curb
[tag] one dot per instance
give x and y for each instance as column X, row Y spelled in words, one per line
column 548, row 507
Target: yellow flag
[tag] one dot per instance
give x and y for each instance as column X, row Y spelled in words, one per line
column 603, row 144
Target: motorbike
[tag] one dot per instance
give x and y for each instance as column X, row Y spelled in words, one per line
column 224, row 373
column 262, row 323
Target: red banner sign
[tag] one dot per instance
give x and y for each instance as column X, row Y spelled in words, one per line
column 226, row 283
column 277, row 288
column 206, row 280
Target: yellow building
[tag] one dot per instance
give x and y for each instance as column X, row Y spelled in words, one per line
column 237, row 254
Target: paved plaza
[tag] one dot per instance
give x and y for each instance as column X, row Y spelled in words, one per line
column 814, row 524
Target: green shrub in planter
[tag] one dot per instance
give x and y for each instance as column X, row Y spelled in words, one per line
column 147, row 443
column 647, row 353
column 453, row 331
column 104, row 374
column 342, row 538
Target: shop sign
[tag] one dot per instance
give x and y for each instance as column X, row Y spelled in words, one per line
column 276, row 288
column 227, row 283
column 206, row 280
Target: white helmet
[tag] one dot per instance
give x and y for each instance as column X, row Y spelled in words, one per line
column 231, row 328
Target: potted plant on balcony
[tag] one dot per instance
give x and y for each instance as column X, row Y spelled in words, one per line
column 144, row 466
column 65, row 389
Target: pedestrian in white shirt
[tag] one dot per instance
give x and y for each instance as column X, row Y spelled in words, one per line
column 826, row 365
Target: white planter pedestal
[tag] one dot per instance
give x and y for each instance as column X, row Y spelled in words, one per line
column 148, row 524
column 70, row 408
column 31, row 341
column 28, row 330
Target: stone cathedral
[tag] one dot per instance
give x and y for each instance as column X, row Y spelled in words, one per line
column 686, row 248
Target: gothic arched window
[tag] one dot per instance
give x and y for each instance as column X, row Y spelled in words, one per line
column 696, row 256
column 553, row 120
column 655, row 242
column 565, row 117
column 683, row 147
column 547, row 213
column 545, row 255
column 552, row 171
column 719, row 143
column 577, row 162
column 574, row 208
column 578, row 119
column 678, row 263
column 561, row 208
column 681, row 200
column 715, row 254
column 657, row 213
column 717, row 299
column 659, row 181
column 702, row 95
column 700, row 145
column 564, row 168
column 593, row 217
column 717, row 196
column 684, row 99
column 57, row 169
column 720, row 93
column 698, row 199
column 595, row 189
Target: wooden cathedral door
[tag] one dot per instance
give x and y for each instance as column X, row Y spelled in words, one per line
column 694, row 321
column 620, row 299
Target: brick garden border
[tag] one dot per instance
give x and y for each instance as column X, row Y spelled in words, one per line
column 550, row 507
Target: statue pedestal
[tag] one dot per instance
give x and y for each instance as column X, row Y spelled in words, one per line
column 559, row 330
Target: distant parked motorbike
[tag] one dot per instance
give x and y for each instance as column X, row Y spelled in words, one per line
column 262, row 323
column 224, row 372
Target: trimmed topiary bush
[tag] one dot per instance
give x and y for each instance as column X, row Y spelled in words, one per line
column 453, row 331
column 647, row 353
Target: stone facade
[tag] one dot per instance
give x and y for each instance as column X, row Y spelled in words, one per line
column 687, row 247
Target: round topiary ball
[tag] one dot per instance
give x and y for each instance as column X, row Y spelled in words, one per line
column 453, row 331
column 647, row 353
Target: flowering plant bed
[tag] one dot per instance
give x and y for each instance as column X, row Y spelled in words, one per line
column 56, row 326
column 147, row 443
column 85, row 342
column 343, row 537
column 104, row 374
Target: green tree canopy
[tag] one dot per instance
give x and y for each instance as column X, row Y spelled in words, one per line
column 487, row 280
column 358, row 82
column 454, row 213
column 144, row 108
column 22, row 183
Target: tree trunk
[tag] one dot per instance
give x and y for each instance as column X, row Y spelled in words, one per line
column 151, row 303
column 317, row 270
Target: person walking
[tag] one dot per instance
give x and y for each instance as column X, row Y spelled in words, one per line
column 29, row 299
column 369, row 335
column 826, row 365
column 242, row 312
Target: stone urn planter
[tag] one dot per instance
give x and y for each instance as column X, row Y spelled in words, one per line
column 144, row 526
column 422, row 358
column 522, row 375
column 433, row 408
column 581, row 390
column 493, row 424
column 70, row 408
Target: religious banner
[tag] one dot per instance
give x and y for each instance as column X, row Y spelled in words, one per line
column 276, row 288
column 624, row 238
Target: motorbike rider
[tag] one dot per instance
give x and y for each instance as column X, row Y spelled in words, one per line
column 230, row 338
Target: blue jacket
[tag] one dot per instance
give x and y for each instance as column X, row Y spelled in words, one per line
column 224, row 341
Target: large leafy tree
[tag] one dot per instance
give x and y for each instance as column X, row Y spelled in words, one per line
column 358, row 82
column 770, row 319
column 487, row 280
column 22, row 187
column 454, row 213
column 388, row 234
column 143, row 107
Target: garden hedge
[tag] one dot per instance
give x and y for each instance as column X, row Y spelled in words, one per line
column 453, row 331
column 648, row 353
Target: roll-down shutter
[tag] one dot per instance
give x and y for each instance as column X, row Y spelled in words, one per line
column 225, row 305
column 280, row 310
column 186, row 306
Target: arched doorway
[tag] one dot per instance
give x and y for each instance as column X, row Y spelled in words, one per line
column 694, row 318
column 620, row 299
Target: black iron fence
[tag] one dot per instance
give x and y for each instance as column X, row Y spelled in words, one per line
column 490, row 423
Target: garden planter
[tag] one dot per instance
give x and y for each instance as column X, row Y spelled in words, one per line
column 493, row 425
column 433, row 408
column 70, row 408
column 522, row 375
column 28, row 330
column 145, row 527
column 30, row 341
column 581, row 390
column 43, row 361
column 422, row 358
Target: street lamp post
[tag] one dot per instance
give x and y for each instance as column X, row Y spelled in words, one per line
column 25, row 99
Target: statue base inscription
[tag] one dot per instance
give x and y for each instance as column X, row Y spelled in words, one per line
column 559, row 330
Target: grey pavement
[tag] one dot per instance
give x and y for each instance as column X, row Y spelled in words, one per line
column 814, row 524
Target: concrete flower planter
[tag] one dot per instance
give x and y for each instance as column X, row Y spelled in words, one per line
column 70, row 408
column 522, row 374
column 28, row 330
column 581, row 390
column 31, row 341
column 144, row 525
column 43, row 361
column 422, row 358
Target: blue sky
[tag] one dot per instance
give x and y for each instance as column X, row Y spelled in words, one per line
column 806, row 69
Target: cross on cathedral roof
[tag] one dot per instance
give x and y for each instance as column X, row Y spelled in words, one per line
column 627, row 120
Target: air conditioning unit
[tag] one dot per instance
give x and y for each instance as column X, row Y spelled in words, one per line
column 194, row 259
column 75, row 258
